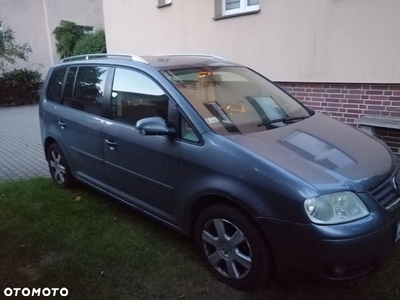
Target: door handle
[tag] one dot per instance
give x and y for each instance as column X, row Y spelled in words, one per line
column 111, row 144
column 62, row 124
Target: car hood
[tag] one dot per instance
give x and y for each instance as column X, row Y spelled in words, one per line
column 326, row 153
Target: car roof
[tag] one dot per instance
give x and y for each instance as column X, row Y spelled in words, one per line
column 160, row 62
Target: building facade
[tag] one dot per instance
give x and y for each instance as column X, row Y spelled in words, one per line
column 341, row 58
column 33, row 22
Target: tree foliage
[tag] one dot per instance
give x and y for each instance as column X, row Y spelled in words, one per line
column 91, row 43
column 19, row 86
column 67, row 36
column 9, row 50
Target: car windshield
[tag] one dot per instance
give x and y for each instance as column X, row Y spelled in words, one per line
column 236, row 100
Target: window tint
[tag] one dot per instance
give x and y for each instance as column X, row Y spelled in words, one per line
column 89, row 89
column 69, row 86
column 55, row 85
column 135, row 96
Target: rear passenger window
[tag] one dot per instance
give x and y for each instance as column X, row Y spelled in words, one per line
column 54, row 91
column 89, row 89
column 69, row 86
column 136, row 96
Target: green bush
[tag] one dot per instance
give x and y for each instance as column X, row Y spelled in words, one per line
column 91, row 43
column 19, row 87
column 67, row 35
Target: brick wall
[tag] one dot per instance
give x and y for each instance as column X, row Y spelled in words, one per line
column 348, row 102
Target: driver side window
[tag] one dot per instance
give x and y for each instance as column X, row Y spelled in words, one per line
column 136, row 96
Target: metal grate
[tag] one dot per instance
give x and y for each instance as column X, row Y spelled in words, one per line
column 386, row 193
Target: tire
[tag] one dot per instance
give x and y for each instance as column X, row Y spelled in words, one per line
column 233, row 247
column 58, row 166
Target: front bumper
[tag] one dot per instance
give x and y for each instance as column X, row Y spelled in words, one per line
column 340, row 253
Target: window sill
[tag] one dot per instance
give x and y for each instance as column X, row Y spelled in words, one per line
column 164, row 5
column 237, row 15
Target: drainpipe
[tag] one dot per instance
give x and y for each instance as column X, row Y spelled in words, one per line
column 48, row 32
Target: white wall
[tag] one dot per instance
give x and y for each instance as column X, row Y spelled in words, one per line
column 308, row 40
column 33, row 22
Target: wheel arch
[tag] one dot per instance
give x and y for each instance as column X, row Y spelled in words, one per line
column 49, row 141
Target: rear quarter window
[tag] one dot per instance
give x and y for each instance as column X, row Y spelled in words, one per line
column 54, row 90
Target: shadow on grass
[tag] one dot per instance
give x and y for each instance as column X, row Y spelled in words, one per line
column 101, row 249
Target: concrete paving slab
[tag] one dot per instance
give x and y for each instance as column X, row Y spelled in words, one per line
column 21, row 151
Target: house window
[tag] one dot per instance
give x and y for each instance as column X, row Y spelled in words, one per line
column 87, row 29
column 226, row 8
column 163, row 3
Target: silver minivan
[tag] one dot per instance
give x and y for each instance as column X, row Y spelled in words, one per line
column 216, row 151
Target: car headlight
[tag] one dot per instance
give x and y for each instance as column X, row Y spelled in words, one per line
column 335, row 208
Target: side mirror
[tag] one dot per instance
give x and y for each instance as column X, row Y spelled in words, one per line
column 153, row 126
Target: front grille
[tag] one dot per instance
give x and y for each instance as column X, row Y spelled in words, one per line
column 386, row 193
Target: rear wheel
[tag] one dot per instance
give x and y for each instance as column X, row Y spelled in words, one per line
column 59, row 169
column 233, row 247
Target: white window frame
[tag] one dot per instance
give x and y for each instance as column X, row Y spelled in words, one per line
column 244, row 8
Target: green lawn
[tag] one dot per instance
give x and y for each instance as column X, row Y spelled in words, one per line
column 99, row 249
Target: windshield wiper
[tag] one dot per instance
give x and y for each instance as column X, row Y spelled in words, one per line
column 283, row 120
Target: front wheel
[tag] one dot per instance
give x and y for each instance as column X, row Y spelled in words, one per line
column 233, row 247
column 59, row 169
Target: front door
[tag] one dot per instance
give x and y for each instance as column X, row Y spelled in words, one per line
column 142, row 170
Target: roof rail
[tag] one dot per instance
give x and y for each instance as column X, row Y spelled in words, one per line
column 201, row 55
column 100, row 55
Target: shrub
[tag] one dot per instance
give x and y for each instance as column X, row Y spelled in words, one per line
column 19, row 86
column 91, row 43
column 67, row 35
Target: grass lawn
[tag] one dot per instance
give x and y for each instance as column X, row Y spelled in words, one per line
column 100, row 249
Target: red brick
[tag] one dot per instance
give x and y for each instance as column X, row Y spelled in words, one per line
column 393, row 108
column 359, row 101
column 332, row 100
column 316, row 95
column 356, row 92
column 333, row 95
column 373, row 102
column 316, row 99
column 379, row 87
column 374, row 92
column 376, row 97
column 331, row 109
column 353, row 96
column 376, row 107
column 372, row 112
column 394, row 98
column 355, row 116
column 355, row 111
column 350, row 105
column 333, row 91
column 394, row 87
